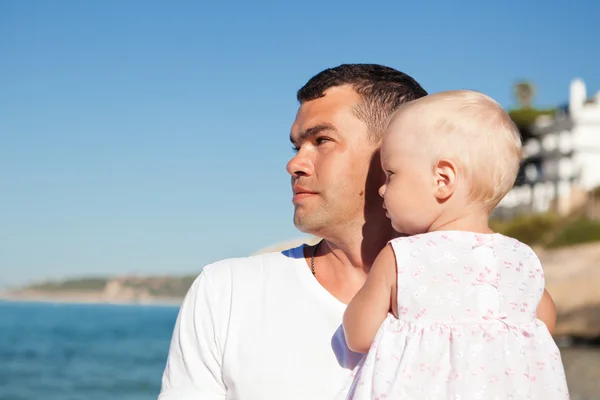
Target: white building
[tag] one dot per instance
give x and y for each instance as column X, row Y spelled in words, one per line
column 562, row 158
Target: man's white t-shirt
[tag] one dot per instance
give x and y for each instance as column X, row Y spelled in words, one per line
column 261, row 328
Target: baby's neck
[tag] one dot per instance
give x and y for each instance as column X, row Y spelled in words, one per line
column 474, row 222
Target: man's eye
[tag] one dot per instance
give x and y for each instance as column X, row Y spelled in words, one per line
column 322, row 139
column 295, row 149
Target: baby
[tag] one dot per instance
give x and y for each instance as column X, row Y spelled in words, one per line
column 451, row 311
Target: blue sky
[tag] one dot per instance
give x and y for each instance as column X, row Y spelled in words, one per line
column 152, row 136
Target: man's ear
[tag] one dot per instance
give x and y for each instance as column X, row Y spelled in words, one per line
column 445, row 176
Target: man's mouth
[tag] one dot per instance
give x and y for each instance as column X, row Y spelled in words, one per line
column 301, row 193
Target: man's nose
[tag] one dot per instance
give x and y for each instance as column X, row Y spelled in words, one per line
column 299, row 165
column 382, row 190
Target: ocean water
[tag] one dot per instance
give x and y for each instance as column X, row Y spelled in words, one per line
column 83, row 352
column 98, row 352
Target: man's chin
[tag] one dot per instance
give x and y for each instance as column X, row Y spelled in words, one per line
column 303, row 227
column 307, row 225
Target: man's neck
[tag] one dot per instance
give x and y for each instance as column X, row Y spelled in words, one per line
column 342, row 262
column 357, row 248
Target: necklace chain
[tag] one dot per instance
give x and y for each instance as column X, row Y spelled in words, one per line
column 312, row 258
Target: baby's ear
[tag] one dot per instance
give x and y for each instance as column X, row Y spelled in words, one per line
column 445, row 176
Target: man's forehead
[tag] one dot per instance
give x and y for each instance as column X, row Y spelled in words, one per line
column 336, row 102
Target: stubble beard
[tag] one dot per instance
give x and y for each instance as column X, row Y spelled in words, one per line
column 310, row 222
column 328, row 222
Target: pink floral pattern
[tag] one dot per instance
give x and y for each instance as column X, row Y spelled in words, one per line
column 467, row 326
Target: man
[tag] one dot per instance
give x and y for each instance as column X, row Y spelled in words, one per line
column 269, row 326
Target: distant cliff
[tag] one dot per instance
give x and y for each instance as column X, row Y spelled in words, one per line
column 125, row 289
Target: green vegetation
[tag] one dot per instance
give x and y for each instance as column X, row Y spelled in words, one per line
column 533, row 229
column 550, row 231
column 164, row 287
column 172, row 287
column 580, row 230
column 525, row 117
column 74, row 285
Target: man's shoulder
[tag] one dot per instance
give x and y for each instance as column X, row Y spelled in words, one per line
column 246, row 276
column 253, row 265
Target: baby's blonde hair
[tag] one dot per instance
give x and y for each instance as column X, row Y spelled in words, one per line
column 475, row 132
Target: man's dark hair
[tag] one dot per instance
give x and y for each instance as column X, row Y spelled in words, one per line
column 381, row 88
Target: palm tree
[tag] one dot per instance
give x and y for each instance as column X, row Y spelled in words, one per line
column 524, row 92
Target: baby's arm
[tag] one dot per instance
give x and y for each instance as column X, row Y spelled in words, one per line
column 369, row 308
column 546, row 311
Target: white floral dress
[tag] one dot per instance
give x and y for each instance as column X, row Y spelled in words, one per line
column 467, row 327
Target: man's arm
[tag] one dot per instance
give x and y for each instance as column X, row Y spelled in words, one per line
column 369, row 308
column 546, row 311
column 193, row 369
